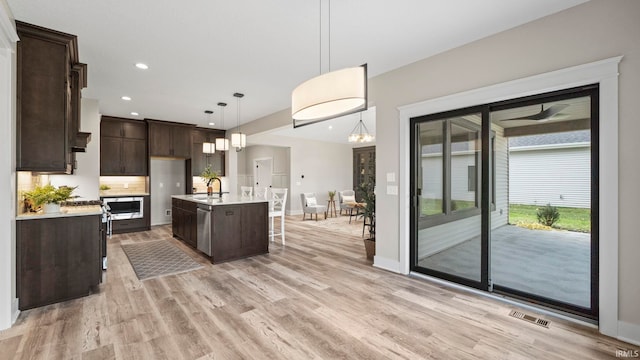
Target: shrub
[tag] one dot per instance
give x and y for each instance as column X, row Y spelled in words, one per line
column 548, row 215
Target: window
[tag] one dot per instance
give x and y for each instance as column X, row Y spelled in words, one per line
column 471, row 178
column 449, row 170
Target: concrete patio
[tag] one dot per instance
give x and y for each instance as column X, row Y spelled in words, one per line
column 554, row 264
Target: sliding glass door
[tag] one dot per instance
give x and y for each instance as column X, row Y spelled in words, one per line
column 504, row 198
column 447, row 185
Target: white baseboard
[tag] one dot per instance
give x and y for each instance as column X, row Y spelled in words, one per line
column 628, row 332
column 14, row 310
column 294, row 212
column 387, row 264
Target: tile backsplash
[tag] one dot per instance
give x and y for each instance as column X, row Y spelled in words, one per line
column 201, row 186
column 27, row 181
column 124, row 185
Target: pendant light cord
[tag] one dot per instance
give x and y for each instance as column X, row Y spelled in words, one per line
column 329, row 39
column 320, row 36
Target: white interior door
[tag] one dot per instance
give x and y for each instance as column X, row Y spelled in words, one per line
column 262, row 171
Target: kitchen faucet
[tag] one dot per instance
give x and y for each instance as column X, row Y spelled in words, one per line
column 219, row 188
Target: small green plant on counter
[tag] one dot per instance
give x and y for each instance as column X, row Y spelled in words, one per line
column 548, row 215
column 208, row 175
column 48, row 194
column 105, row 187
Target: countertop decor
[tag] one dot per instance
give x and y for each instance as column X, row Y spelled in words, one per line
column 47, row 197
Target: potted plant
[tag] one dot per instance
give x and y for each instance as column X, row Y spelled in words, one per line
column 104, row 188
column 48, row 197
column 207, row 176
column 369, row 208
column 332, row 195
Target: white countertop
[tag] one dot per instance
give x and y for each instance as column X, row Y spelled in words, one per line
column 65, row 211
column 227, row 199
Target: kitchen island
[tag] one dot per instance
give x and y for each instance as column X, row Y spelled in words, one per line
column 223, row 229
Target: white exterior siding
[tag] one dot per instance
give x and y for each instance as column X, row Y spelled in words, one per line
column 560, row 176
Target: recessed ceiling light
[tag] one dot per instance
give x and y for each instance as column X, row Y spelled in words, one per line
column 330, row 127
column 126, row 98
column 134, row 113
column 142, row 66
column 212, row 124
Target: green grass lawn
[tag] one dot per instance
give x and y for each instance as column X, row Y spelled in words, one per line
column 573, row 219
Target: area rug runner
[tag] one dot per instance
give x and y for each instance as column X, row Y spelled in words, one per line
column 158, row 258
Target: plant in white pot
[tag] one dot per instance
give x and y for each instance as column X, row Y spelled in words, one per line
column 48, row 197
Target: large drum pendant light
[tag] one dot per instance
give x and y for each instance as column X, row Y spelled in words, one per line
column 331, row 94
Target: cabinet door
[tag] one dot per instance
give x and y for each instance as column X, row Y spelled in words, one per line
column 160, row 140
column 111, row 128
column 364, row 168
column 198, row 159
column 110, row 156
column 134, row 157
column 43, row 104
column 255, row 228
column 181, row 142
column 132, row 130
column 217, row 163
column 227, row 233
column 190, row 228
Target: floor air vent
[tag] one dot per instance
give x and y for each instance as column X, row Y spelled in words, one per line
column 529, row 318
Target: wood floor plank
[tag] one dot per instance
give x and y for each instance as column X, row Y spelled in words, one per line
column 315, row 298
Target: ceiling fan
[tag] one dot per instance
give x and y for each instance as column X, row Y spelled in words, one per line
column 544, row 114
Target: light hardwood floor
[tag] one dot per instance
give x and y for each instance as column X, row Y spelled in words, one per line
column 316, row 298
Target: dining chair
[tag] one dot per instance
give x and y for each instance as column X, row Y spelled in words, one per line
column 261, row 192
column 277, row 206
column 246, row 191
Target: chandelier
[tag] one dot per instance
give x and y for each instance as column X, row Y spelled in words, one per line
column 360, row 133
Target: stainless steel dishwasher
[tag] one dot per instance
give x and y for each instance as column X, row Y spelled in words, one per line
column 204, row 228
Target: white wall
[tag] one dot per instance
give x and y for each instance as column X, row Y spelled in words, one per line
column 325, row 166
column 280, row 172
column 8, row 38
column 87, row 175
column 556, row 176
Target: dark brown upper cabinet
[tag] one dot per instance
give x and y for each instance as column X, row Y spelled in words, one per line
column 49, row 81
column 168, row 139
column 199, row 160
column 123, row 147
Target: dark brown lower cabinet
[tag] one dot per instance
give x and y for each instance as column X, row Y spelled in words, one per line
column 58, row 259
column 184, row 221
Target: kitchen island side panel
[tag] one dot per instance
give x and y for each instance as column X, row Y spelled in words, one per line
column 239, row 231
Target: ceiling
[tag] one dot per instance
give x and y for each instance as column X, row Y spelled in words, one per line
column 202, row 51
